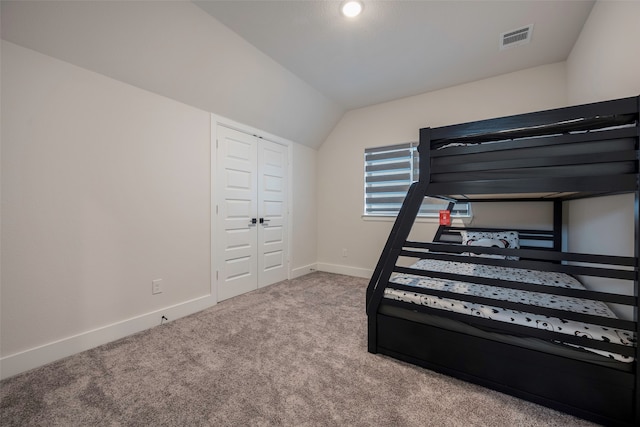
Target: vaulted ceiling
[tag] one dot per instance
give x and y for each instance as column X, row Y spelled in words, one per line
column 400, row 48
column 292, row 68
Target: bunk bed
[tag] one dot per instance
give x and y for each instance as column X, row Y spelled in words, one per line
column 506, row 308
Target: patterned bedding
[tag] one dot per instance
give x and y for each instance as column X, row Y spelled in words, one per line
column 511, row 316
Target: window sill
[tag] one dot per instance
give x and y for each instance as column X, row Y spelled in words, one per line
column 426, row 220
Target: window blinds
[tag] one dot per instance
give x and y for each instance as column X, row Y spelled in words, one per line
column 388, row 173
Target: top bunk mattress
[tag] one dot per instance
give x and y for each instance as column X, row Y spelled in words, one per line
column 521, row 318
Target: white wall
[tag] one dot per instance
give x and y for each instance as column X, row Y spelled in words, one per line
column 603, row 226
column 175, row 49
column 304, row 252
column 340, row 158
column 604, row 64
column 106, row 187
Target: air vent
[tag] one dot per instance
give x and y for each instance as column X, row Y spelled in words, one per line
column 515, row 38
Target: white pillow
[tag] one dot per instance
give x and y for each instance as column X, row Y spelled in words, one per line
column 499, row 239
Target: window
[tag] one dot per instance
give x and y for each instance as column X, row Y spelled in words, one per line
column 388, row 173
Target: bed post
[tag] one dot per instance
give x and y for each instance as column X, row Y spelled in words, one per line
column 397, row 238
column 636, row 282
column 557, row 225
column 636, row 287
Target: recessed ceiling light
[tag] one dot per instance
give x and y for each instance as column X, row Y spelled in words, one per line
column 351, row 8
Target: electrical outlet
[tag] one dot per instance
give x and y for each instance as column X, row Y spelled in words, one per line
column 156, row 286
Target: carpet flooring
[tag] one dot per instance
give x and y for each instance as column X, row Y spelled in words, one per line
column 291, row 354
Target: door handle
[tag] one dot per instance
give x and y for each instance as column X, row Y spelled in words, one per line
column 253, row 222
column 264, row 221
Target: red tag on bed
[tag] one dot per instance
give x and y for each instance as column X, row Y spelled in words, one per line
column 445, row 218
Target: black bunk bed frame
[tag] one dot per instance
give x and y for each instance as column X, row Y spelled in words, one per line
column 555, row 156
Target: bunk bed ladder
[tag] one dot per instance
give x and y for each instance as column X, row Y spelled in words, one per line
column 389, row 257
column 396, row 240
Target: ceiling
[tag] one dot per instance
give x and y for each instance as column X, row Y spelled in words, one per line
column 292, row 68
column 399, row 48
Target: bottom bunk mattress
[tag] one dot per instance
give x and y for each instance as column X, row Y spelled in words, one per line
column 522, row 318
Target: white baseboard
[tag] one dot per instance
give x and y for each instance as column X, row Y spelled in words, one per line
column 346, row 270
column 25, row 360
column 301, row 271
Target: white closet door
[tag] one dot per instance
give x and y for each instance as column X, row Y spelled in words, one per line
column 272, row 212
column 252, row 212
column 237, row 208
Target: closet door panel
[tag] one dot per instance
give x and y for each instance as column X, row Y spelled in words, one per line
column 272, row 209
column 237, row 234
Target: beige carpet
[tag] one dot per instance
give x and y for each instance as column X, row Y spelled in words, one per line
column 292, row 354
